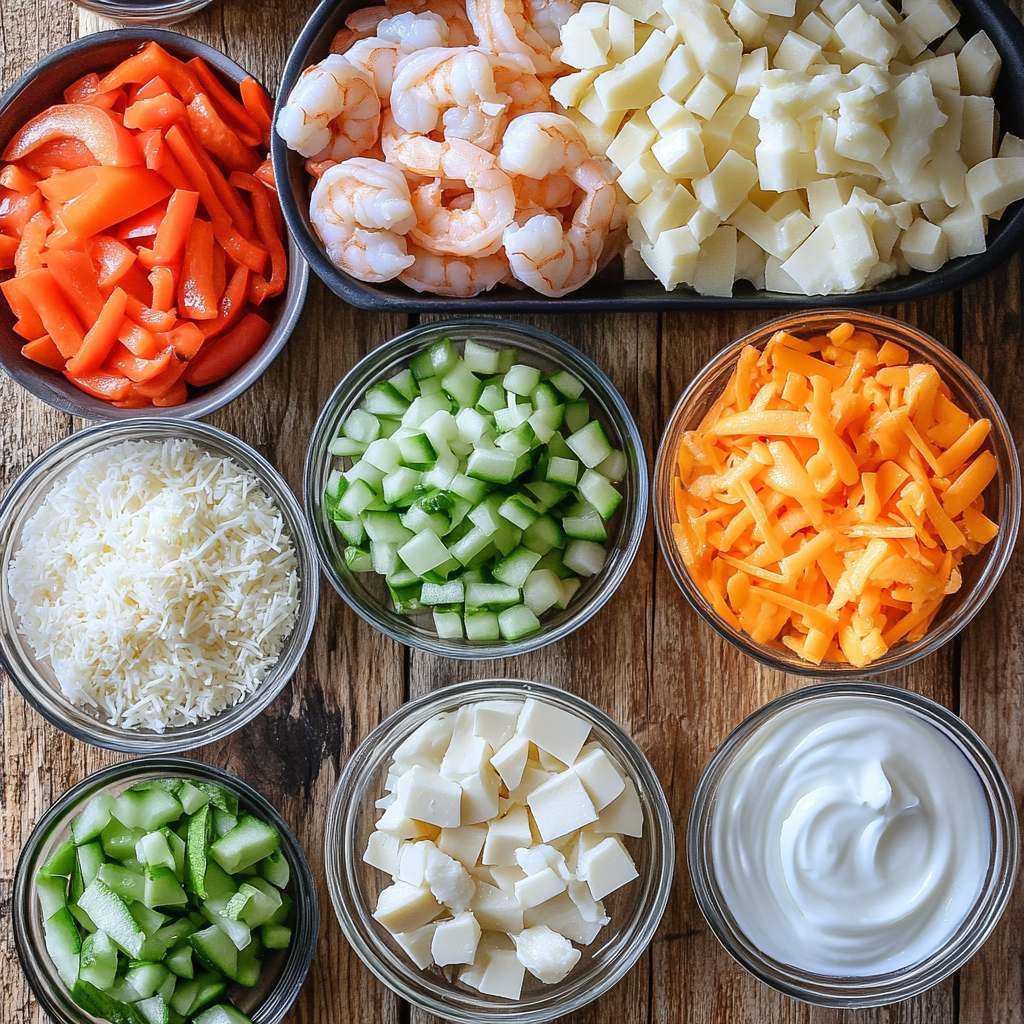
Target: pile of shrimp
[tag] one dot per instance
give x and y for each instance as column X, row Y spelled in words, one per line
column 439, row 158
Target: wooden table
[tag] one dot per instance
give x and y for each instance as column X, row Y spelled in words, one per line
column 646, row 659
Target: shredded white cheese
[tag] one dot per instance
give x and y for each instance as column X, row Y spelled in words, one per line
column 160, row 582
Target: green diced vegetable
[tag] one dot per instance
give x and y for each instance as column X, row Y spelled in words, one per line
column 53, row 894
column 63, row 943
column 222, row 1015
column 249, row 841
column 98, row 960
column 92, row 819
column 147, row 810
column 111, row 914
column 62, row 862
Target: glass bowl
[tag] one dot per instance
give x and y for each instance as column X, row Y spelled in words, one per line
column 635, row 909
column 878, row 989
column 980, row 572
column 42, row 85
column 35, row 677
column 283, row 973
column 366, row 592
column 157, row 12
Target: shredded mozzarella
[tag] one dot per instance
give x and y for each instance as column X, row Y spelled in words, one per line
column 160, row 582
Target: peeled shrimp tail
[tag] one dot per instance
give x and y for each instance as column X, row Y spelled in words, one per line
column 455, row 275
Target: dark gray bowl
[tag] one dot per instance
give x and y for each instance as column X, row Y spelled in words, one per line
column 608, row 292
column 44, row 85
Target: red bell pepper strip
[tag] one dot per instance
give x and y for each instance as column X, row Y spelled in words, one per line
column 160, row 159
column 44, row 352
column 197, row 297
column 29, row 254
column 173, row 231
column 258, row 105
column 81, row 89
column 54, row 311
column 217, row 138
column 156, row 112
column 143, row 225
column 186, row 340
column 151, row 319
column 109, row 142
column 8, row 247
column 132, row 401
column 59, row 155
column 165, row 288
column 119, row 192
column 265, row 173
column 102, row 335
column 232, row 304
column 150, row 62
column 262, row 203
column 137, row 340
column 113, row 259
column 220, row 271
column 163, row 381
column 63, row 186
column 222, row 356
column 76, row 277
column 230, row 110
column 154, row 87
column 108, row 386
column 120, row 360
column 18, row 178
column 177, row 394
column 17, row 209
column 28, row 323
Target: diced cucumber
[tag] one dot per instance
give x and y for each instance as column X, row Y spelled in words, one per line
column 129, row 885
column 101, row 1004
column 544, row 422
column 383, row 454
column 492, row 398
column 405, row 384
column 496, row 466
column 118, row 841
column 211, row 990
column 541, row 591
column 276, row 936
column 162, row 889
column 359, row 496
column 386, row 527
column 222, row 1015
column 506, row 359
column 62, row 861
column 584, row 557
column 519, row 510
column 367, row 473
column 515, row 567
column 399, row 484
column 562, row 471
column 491, row 595
column 361, row 425
column 443, row 593
column 543, row 535
column 148, row 919
column 585, row 523
column 614, row 467
column 384, row 399
column 249, row 841
column 238, row 931
column 220, row 797
column 346, row 447
column 482, row 625
column 110, row 913
column 600, row 493
column 92, row 819
column 416, row 449
column 90, row 858
column 146, row 978
column 53, row 894
column 517, row 622
column 154, row 1010
column 180, row 961
column 590, row 444
column 223, row 822
column 63, row 943
column 98, row 960
column 417, row 519
column 569, row 588
column 521, row 379
column 424, row 552
column 358, row 560
column 424, row 407
column 462, row 385
column 153, row 850
column 276, row 869
column 218, row 883
column 567, row 384
column 384, row 557
column 448, row 624
column 197, row 846
column 214, row 948
column 352, row 530
column 512, row 416
column 192, row 797
column 480, row 358
column 546, row 396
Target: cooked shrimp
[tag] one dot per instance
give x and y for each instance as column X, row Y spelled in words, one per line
column 540, row 144
column 464, row 226
column 453, row 86
column 545, row 194
column 527, row 93
column 333, row 112
column 454, row 275
column 502, row 26
column 358, row 25
column 413, row 153
column 460, row 31
column 361, row 209
column 548, row 17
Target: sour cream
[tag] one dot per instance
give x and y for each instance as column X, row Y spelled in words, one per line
column 849, row 837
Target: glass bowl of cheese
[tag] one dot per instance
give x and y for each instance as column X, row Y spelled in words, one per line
column 499, row 849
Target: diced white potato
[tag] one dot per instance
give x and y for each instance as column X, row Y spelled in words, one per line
column 463, row 844
column 497, row 910
column 747, row 23
column 416, row 944
column 716, row 264
column 977, row 141
column 931, row 20
column 994, row 184
column 924, row 246
column 382, row 852
column 505, row 836
column 402, row 907
column 634, row 82
column 715, row 45
column 679, row 74
column 455, row 941
column 569, row 90
column 667, row 114
column 796, row 52
column 750, row 261
column 606, row 867
column 547, row 955
column 979, row 64
column 634, row 138
column 707, row 96
column 864, row 35
column 752, row 66
column 680, row 154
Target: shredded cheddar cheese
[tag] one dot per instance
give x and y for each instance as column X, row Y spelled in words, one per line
column 827, row 499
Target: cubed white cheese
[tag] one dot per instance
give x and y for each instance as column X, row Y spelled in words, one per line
column 606, row 867
column 412, row 862
column 714, row 43
column 455, row 941
column 750, row 260
column 681, row 153
column 448, row 880
column 510, row 760
column 634, row 82
column 977, row 141
column 748, row 24
column 417, row 944
column 672, row 257
column 707, row 96
column 634, row 137
column 561, row 805
column 533, row 776
column 506, row 876
column 425, row 796
column 599, row 775
column 382, row 852
column 979, row 64
column 639, row 10
column 668, row 114
column 964, row 229
column 702, row 224
column 623, row 36
column 716, row 265
column 428, row 741
column 395, row 823
column 659, row 212
column 796, row 53
column 499, row 974
column 553, row 729
column 505, row 836
column 402, row 907
column 547, row 955
column 931, row 20
column 569, row 90
column 924, row 246
column 865, row 35
column 585, row 38
column 463, row 843
column 562, row 915
column 624, row 814
column 643, row 176
column 994, row 184
column 480, row 795
column 679, row 74
column 727, row 185
column 497, row 910
column 538, row 888
column 465, row 757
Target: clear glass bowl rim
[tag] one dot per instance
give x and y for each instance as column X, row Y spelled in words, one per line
column 877, row 990
column 998, row 553
column 20, row 663
column 371, row 368
column 51, row 993
column 142, row 13
column 339, row 851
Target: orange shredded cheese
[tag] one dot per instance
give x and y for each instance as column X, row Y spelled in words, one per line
column 826, row 501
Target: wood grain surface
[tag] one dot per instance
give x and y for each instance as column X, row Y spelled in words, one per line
column 645, row 658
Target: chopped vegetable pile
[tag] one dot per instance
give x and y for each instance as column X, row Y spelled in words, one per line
column 161, row 899
column 142, row 224
column 828, row 498
column 480, row 488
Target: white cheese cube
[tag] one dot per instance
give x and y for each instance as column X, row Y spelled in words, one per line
column 634, row 82
column 423, row 795
column 569, row 90
column 659, row 212
column 813, row 266
column 480, row 795
column 382, row 852
column 819, row 29
column 918, row 119
column 796, row 53
column 428, row 741
column 497, row 910
column 537, row 858
column 726, row 187
column 501, row 974
column 856, row 252
column 791, row 231
column 592, row 107
column 979, row 64
column 394, row 823
column 624, row 814
column 942, row 72
column 533, row 776
column 463, row 843
column 707, row 96
column 621, row 31
column 666, row 115
column 778, row 155
column 585, row 37
column 412, row 862
column 714, row 44
column 495, row 720
column 964, row 229
column 402, row 907
column 823, row 197
column 448, row 880
column 417, row 944
column 681, row 153
column 634, row 137
column 977, row 141
column 748, row 24
column 672, row 257
column 605, row 868
column 553, row 729
column 752, row 66
column 835, row 9
column 750, row 259
column 464, row 757
column 679, row 74
column 633, row 266
column 716, row 264
column 561, row 805
column 1011, row 146
column 597, row 139
column 953, row 43
column 506, row 876
column 639, row 10
column 781, row 8
column 777, row 280
column 539, row 888
column 924, row 246
column 455, row 941
column 599, row 775
column 931, row 20
column 757, row 225
column 510, row 760
column 562, row 915
column 642, row 176
column 547, row 955
column 865, row 35
column 505, row 836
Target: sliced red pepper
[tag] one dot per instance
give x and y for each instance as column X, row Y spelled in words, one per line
column 109, row 142
column 63, row 186
column 154, row 87
column 173, row 230
column 258, row 105
column 53, row 309
column 28, row 323
column 232, row 304
column 177, row 394
column 17, row 209
column 217, row 138
column 136, row 284
column 150, row 62
column 186, row 339
column 18, row 178
column 197, row 297
column 159, row 158
column 102, row 335
column 82, row 88
column 162, row 382
column 231, row 111
column 75, row 275
column 29, row 254
column 138, row 340
column 132, row 401
column 262, row 201
column 120, row 360
column 113, row 259
column 157, row 112
column 59, row 155
column 220, row 271
column 165, row 288
column 265, row 173
column 119, row 192
column 151, row 319
column 44, row 352
column 8, row 247
column 222, row 356
column 109, row 386
column 143, row 225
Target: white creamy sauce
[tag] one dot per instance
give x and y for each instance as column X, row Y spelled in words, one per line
column 850, row 837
